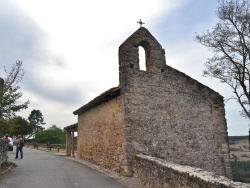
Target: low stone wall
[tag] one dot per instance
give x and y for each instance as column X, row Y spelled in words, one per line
column 3, row 152
column 60, row 146
column 158, row 173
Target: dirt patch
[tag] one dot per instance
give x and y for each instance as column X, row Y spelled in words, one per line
column 6, row 167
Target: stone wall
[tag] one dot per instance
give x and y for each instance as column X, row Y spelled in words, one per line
column 100, row 136
column 158, row 173
column 168, row 114
column 159, row 112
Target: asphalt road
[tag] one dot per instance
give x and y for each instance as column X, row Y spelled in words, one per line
column 40, row 169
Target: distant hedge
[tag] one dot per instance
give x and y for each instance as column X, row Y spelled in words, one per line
column 234, row 149
column 237, row 138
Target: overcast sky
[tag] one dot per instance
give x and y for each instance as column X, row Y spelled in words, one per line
column 69, row 49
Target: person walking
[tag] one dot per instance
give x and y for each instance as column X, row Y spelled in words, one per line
column 19, row 146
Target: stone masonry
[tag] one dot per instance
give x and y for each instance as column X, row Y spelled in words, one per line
column 101, row 137
column 158, row 173
column 160, row 112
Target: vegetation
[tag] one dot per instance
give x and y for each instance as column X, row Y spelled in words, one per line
column 53, row 135
column 4, row 128
column 240, row 159
column 232, row 142
column 230, row 42
column 36, row 121
column 234, row 149
column 10, row 92
column 241, row 171
column 245, row 155
column 237, row 138
column 20, row 126
column 10, row 95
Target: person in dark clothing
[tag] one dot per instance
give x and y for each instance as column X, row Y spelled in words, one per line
column 19, row 146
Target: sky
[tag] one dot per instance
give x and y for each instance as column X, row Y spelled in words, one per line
column 69, row 49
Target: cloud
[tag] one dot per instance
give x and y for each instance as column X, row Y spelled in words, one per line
column 22, row 39
column 17, row 34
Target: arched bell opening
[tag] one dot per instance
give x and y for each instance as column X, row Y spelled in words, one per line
column 144, row 55
column 142, row 59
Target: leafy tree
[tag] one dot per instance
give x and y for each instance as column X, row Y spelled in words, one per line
column 20, row 126
column 36, row 120
column 9, row 92
column 230, row 42
column 53, row 135
column 4, row 127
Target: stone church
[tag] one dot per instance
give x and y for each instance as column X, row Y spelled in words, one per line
column 160, row 112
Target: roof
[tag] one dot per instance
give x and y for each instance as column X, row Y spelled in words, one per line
column 72, row 127
column 104, row 97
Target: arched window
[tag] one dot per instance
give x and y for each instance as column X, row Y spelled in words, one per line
column 142, row 60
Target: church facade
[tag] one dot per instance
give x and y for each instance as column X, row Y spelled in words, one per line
column 160, row 112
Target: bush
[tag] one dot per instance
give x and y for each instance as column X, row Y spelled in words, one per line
column 53, row 135
column 245, row 147
column 244, row 155
column 233, row 149
column 232, row 142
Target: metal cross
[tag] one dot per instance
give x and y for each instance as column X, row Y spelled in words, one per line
column 140, row 22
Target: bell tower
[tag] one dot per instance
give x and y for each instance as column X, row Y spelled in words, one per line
column 129, row 54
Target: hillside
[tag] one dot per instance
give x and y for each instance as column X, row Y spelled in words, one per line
column 240, row 158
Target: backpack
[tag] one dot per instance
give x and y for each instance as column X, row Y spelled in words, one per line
column 21, row 142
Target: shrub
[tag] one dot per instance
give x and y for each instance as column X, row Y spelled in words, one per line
column 233, row 149
column 245, row 147
column 244, row 155
column 232, row 142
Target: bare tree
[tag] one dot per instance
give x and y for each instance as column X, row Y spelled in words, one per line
column 10, row 93
column 230, row 42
